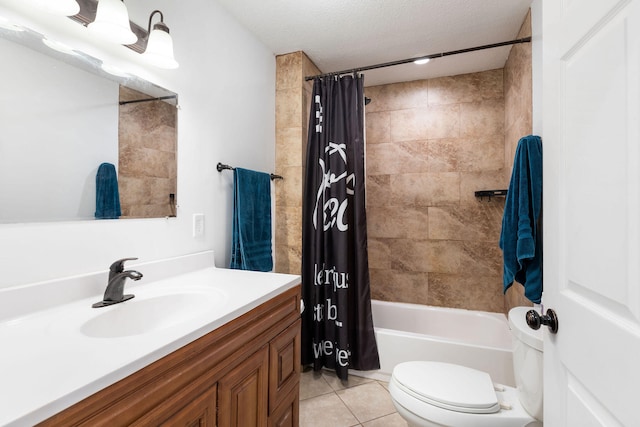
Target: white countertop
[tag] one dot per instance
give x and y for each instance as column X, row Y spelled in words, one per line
column 50, row 361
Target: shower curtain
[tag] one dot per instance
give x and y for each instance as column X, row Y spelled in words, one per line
column 337, row 327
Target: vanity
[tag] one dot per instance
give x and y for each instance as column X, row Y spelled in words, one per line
column 209, row 347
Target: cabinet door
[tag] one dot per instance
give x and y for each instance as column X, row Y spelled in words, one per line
column 243, row 393
column 200, row 412
column 284, row 365
column 287, row 414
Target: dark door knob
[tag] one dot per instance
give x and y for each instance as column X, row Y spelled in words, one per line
column 534, row 320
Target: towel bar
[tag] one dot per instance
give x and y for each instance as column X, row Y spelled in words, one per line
column 221, row 166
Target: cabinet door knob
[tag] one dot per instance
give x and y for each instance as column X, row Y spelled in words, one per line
column 534, row 320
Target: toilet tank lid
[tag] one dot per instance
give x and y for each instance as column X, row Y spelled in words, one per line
column 522, row 331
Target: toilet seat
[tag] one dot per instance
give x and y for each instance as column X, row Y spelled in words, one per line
column 441, row 394
column 447, row 386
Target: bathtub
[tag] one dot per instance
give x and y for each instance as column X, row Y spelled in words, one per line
column 476, row 339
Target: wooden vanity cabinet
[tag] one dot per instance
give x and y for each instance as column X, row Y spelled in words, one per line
column 242, row 393
column 245, row 373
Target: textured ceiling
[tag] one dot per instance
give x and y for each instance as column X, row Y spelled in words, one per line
column 344, row 34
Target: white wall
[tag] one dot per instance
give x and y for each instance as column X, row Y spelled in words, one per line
column 226, row 88
column 53, row 136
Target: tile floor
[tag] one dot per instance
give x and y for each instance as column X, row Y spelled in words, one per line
column 326, row 401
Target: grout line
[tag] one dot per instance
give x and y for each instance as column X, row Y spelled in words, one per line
column 347, row 406
column 335, row 392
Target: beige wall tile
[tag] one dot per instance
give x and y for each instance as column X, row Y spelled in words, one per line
column 426, row 123
column 289, row 147
column 288, row 259
column 147, row 161
column 378, row 188
column 390, row 285
column 474, row 292
column 425, row 189
column 379, row 254
column 289, row 190
column 466, row 88
column 308, row 69
column 288, row 70
column 518, row 119
column 293, row 96
column 397, row 158
column 436, row 156
column 288, row 225
column 480, row 222
column 398, row 96
column 378, row 127
column 289, row 108
column 464, row 257
column 397, row 222
column 410, row 255
column 482, row 118
column 444, row 155
column 517, row 129
column 482, row 153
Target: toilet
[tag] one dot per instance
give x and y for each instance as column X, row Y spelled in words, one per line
column 435, row 394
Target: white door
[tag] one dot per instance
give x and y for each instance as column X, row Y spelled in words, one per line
column 591, row 209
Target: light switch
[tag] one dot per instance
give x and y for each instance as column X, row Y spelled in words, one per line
column 198, row 225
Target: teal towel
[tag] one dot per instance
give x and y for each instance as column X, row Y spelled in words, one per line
column 251, row 237
column 520, row 240
column 107, row 195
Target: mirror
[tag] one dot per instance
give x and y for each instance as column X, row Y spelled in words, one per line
column 61, row 116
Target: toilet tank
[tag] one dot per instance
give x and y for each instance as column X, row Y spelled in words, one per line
column 527, row 361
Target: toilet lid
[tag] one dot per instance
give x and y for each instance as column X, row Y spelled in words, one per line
column 448, row 386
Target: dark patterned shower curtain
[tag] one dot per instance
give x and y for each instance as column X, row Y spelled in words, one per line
column 337, row 328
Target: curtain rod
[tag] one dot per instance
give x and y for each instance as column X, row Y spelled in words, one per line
column 220, row 167
column 159, row 98
column 434, row 55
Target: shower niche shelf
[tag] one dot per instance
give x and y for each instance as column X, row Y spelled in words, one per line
column 490, row 194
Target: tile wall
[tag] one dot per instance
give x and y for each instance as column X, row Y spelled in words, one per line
column 293, row 95
column 147, row 156
column 430, row 145
column 518, row 121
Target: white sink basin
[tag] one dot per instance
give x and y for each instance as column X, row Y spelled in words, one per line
column 142, row 315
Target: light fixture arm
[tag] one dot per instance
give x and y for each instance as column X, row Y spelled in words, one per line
column 158, row 25
column 159, row 50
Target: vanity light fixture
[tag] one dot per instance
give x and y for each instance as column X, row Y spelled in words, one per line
column 112, row 22
column 159, row 51
column 61, row 7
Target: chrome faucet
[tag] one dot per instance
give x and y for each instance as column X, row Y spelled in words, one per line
column 114, row 293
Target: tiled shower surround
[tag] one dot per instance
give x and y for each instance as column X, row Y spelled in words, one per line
column 147, row 159
column 430, row 145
